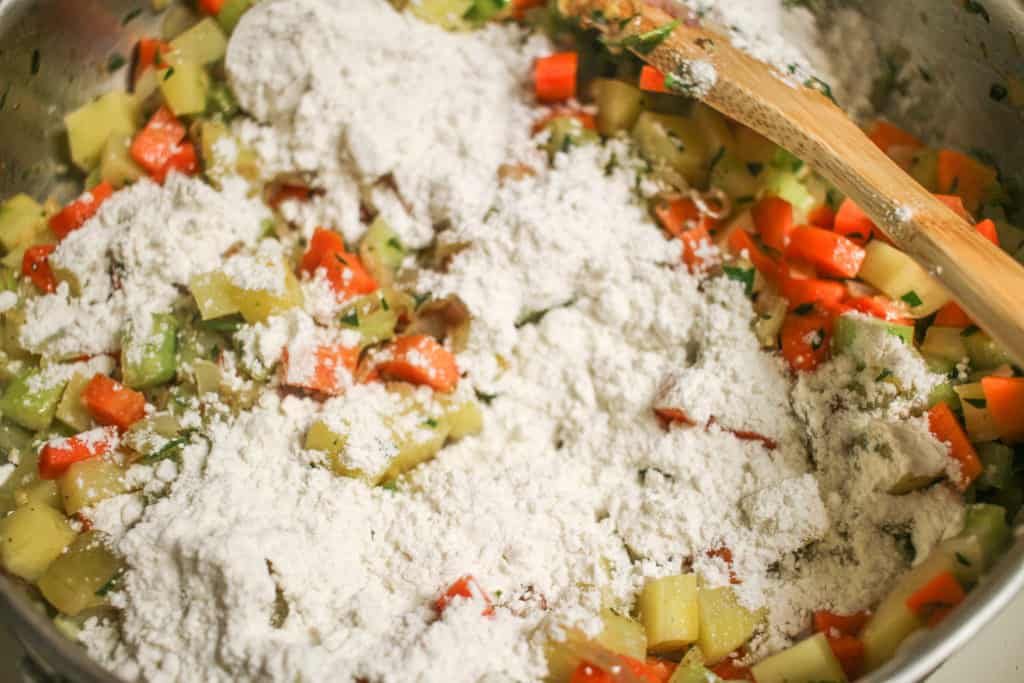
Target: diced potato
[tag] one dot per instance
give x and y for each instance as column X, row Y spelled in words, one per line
column 184, row 86
column 40, row 492
column 670, row 613
column 446, row 13
column 893, row 621
column 25, row 474
column 413, row 450
column 258, row 305
column 623, row 635
column 675, row 141
column 90, row 126
column 725, row 625
column 12, row 323
column 207, row 376
column 116, row 165
column 809, row 661
column 75, row 581
column 213, row 294
column 771, row 314
column 225, row 156
column 735, row 176
column 692, row 672
column 31, row 401
column 981, row 426
column 20, row 219
column 204, row 43
column 618, row 105
column 565, row 132
column 88, row 482
column 31, row 538
column 943, row 348
column 150, row 433
column 901, row 278
column 381, row 251
column 464, row 420
column 231, row 12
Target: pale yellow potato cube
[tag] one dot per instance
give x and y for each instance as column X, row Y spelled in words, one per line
column 88, row 482
column 76, row 580
column 809, row 661
column 670, row 613
column 31, row 538
column 725, row 625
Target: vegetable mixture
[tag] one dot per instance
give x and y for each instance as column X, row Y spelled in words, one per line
column 818, row 271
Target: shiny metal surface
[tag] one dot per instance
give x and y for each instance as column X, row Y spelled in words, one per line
column 54, row 56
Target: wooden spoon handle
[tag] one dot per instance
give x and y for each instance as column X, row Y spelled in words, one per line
column 986, row 282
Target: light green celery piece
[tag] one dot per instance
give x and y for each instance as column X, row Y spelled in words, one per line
column 30, row 400
column 150, row 360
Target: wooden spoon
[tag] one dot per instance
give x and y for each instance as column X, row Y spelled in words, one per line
column 986, row 282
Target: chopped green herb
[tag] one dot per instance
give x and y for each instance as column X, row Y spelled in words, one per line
column 755, row 168
column 268, row 228
column 536, row 316
column 395, row 244
column 430, row 422
column 115, row 61
column 979, row 403
column 36, row 57
column 884, row 375
column 169, row 449
column 969, row 330
column 819, row 339
column 974, row 7
column 384, row 303
column 804, row 309
column 110, row 585
column 228, row 323
column 484, row 397
column 815, row 83
column 215, row 353
column 418, row 299
column 131, row 15
column 644, row 43
column 351, row 318
column 911, row 299
column 169, row 73
column 962, row 560
column 833, row 198
column 998, row 92
column 741, row 275
column 390, row 486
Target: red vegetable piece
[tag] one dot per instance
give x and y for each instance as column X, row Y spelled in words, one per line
column 35, row 265
column 806, row 338
column 942, row 593
column 853, row 224
column 651, row 79
column 831, row 253
column 111, row 403
column 58, row 455
column 555, row 77
column 72, row 216
column 420, row 359
column 742, row 244
column 465, row 587
column 945, row 426
column 149, row 53
column 987, row 228
column 773, row 217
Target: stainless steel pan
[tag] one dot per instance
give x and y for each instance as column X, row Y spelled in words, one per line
column 55, row 54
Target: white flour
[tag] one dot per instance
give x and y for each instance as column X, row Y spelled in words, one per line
column 253, row 562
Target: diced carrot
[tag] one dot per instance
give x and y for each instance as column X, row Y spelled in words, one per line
column 662, row 668
column 35, row 265
column 1004, row 398
column 806, row 338
column 951, row 315
column 288, row 193
column 955, row 204
column 723, row 553
column 347, row 275
column 183, row 160
column 589, row 673
column 651, row 79
column 324, row 242
column 419, row 359
column 880, row 307
column 695, row 241
column 802, row 292
column 831, row 253
column 586, row 120
column 681, row 215
column 853, row 224
column 158, row 142
column 72, row 216
column 324, row 378
column 947, row 429
column 843, row 624
column 965, row 176
column 729, row 670
column 113, row 404
column 519, row 7
column 943, row 592
column 773, row 217
column 742, row 244
column 886, row 135
column 554, row 77
column 211, row 7
column 465, row 587
column 849, row 650
column 58, row 455
column 149, row 53
column 822, row 217
column 987, row 228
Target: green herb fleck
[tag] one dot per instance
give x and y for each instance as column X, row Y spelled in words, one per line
column 36, row 58
column 418, row 299
column 979, row 403
column 131, row 15
column 395, row 244
column 644, row 43
column 745, row 199
column 168, row 73
column 228, row 323
column 804, row 309
column 815, row 83
column 384, row 303
column 215, row 353
column 741, row 275
column 169, row 449
column 110, row 585
column 962, row 560
column 430, row 422
column 884, row 375
column 115, row 62
column 819, row 339
column 755, row 168
column 390, row 486
column 911, row 299
column 998, row 92
column 484, row 397
column 969, row 330
column 351, row 318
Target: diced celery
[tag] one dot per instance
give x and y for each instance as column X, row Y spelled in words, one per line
column 90, row 126
column 944, row 393
column 981, row 426
column 622, row 635
column 207, row 376
column 148, row 360
column 151, row 433
column 670, row 613
column 13, row 320
column 372, row 316
column 901, row 278
column 849, row 327
column 75, row 581
column 70, row 410
column 212, row 292
column 943, row 348
column 618, row 105
column 220, row 102
column 31, row 538
column 20, row 219
column 998, row 462
column 184, row 87
column 231, row 12
column 381, row 251
column 786, row 185
column 693, row 672
column 988, row 524
column 725, row 625
column 117, row 166
column 809, row 661
column 566, row 132
column 984, row 352
column 258, row 305
column 675, row 141
column 87, row 482
column 202, row 44
column 485, row 10
column 30, row 400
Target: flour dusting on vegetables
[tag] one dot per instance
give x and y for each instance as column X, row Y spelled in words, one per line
column 444, row 340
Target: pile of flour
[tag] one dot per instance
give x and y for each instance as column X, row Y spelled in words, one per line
column 249, row 560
